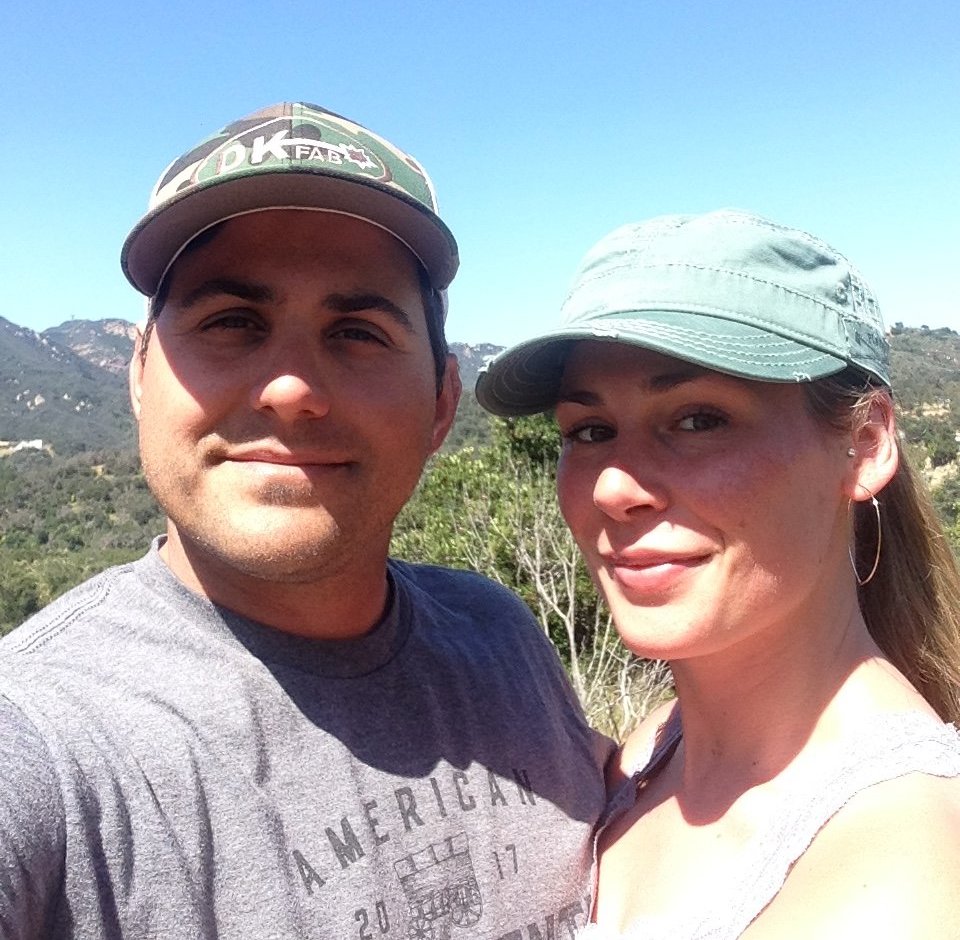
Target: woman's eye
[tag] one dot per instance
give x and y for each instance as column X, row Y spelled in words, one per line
column 700, row 421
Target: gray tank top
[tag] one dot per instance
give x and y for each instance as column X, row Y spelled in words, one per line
column 889, row 747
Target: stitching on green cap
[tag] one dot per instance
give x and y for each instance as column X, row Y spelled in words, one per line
column 748, row 349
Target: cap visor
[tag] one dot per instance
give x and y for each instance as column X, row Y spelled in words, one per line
column 525, row 379
column 156, row 240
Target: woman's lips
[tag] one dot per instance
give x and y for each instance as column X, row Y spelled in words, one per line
column 652, row 572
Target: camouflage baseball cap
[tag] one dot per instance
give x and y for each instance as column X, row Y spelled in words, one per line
column 726, row 290
column 296, row 156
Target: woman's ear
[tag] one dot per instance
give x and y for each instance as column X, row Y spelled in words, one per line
column 875, row 452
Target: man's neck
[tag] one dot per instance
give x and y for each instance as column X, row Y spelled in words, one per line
column 339, row 604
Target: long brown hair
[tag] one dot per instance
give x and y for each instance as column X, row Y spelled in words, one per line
column 912, row 603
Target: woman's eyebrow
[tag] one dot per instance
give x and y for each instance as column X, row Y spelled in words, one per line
column 576, row 396
column 663, row 382
column 668, row 380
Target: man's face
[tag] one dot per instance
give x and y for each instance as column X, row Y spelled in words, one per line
column 287, row 398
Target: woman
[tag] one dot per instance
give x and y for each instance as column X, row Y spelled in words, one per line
column 732, row 474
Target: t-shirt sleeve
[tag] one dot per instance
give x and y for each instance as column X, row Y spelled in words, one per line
column 31, row 829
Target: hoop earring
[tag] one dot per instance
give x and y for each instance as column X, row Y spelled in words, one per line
column 876, row 557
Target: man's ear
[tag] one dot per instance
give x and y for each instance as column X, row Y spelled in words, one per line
column 447, row 401
column 136, row 368
column 876, row 454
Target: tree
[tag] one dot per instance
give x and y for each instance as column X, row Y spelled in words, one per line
column 19, row 596
column 494, row 510
column 946, row 501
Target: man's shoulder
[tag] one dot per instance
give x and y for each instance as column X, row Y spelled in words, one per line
column 459, row 590
column 32, row 825
column 67, row 614
column 465, row 612
column 87, row 636
column 442, row 575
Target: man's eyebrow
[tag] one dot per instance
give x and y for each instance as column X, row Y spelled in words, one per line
column 245, row 290
column 260, row 293
column 354, row 303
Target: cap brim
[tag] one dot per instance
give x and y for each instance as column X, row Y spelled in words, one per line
column 525, row 379
column 160, row 235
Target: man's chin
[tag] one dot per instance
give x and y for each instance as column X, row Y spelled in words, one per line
column 295, row 553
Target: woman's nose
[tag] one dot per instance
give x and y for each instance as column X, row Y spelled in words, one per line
column 619, row 491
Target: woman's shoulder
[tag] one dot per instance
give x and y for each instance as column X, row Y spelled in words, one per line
column 887, row 864
column 903, row 826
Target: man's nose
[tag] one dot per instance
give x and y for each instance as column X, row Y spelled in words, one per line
column 294, row 383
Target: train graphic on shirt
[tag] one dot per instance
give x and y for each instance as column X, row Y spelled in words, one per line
column 441, row 889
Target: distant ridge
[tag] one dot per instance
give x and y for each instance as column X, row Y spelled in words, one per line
column 471, row 357
column 48, row 391
column 106, row 344
column 68, row 384
column 925, row 365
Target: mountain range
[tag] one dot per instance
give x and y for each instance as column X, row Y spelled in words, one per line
column 67, row 385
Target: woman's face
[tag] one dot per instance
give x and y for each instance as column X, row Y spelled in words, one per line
column 708, row 508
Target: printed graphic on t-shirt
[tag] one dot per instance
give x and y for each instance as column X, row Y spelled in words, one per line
column 440, row 887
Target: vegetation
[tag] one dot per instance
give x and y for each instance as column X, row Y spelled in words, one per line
column 64, row 519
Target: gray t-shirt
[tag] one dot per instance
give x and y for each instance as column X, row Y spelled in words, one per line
column 171, row 769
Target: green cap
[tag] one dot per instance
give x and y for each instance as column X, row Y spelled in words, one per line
column 726, row 290
column 289, row 156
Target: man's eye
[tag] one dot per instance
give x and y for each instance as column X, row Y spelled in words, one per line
column 589, row 434
column 700, row 421
column 232, row 321
column 359, row 333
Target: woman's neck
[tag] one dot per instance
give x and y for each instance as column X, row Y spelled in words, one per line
column 748, row 712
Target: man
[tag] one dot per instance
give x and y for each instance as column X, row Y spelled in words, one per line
column 265, row 728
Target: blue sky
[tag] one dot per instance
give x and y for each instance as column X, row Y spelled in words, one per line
column 543, row 125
